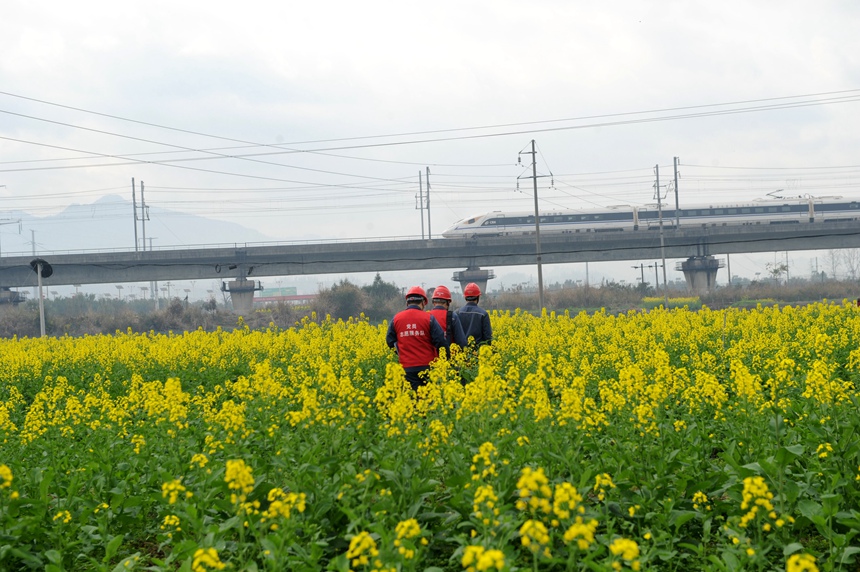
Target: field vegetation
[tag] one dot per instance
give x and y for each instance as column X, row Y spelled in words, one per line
column 640, row 440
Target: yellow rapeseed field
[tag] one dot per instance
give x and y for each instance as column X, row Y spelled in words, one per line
column 660, row 440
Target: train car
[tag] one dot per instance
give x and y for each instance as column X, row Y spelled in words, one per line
column 626, row 218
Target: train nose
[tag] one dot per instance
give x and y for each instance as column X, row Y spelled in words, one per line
column 450, row 232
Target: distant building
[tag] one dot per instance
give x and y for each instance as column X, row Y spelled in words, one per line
column 8, row 296
column 288, row 295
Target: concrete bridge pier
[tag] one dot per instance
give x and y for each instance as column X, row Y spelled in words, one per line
column 241, row 293
column 473, row 274
column 700, row 272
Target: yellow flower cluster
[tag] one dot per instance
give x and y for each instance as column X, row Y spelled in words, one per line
column 483, row 462
column 206, row 559
column 628, row 550
column 801, row 563
column 5, row 477
column 479, row 559
column 172, row 489
column 602, row 483
column 700, row 500
column 756, row 496
column 406, row 530
column 362, row 548
column 239, row 479
column 281, row 504
column 582, row 532
column 534, row 491
column 485, row 505
column 535, row 536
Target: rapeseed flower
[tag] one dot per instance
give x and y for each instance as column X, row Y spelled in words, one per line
column 479, row 559
column 206, row 559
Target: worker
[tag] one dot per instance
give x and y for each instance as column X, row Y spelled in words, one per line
column 475, row 320
column 449, row 321
column 416, row 336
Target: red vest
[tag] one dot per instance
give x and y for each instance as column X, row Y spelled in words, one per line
column 414, row 346
column 441, row 315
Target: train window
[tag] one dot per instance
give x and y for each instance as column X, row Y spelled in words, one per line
column 731, row 211
column 598, row 217
column 470, row 221
column 771, row 209
column 745, row 211
column 491, row 221
column 717, row 211
column 786, row 209
column 759, row 210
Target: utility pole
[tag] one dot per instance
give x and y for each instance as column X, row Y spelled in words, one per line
column 641, row 267
column 662, row 242
column 420, row 204
column 134, row 212
column 676, row 162
column 144, row 214
column 33, row 243
column 656, row 276
column 429, row 234
column 534, row 178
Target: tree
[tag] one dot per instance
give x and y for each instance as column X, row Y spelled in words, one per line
column 851, row 258
column 833, row 257
column 342, row 301
column 776, row 270
column 385, row 299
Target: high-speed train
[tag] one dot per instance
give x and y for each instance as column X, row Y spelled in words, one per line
column 638, row 218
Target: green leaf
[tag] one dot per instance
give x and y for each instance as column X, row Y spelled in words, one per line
column 234, row 522
column 732, row 562
column 790, row 549
column 848, row 554
column 45, row 482
column 54, row 557
column 810, row 509
column 113, row 546
column 679, row 517
column 787, row 454
column 121, row 567
column 831, row 503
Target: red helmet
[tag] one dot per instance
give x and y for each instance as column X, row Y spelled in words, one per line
column 471, row 290
column 442, row 293
column 415, row 292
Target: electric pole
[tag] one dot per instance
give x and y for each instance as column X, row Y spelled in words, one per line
column 641, row 267
column 662, row 242
column 676, row 162
column 429, row 234
column 144, row 215
column 534, row 178
column 420, row 200
column 134, row 212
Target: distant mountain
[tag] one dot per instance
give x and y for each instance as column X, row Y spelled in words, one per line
column 108, row 224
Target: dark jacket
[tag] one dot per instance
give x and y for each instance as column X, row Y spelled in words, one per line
column 476, row 323
column 454, row 329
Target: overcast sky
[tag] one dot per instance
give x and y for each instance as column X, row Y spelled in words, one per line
column 313, row 119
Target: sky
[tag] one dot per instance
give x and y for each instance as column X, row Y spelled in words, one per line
column 313, row 120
